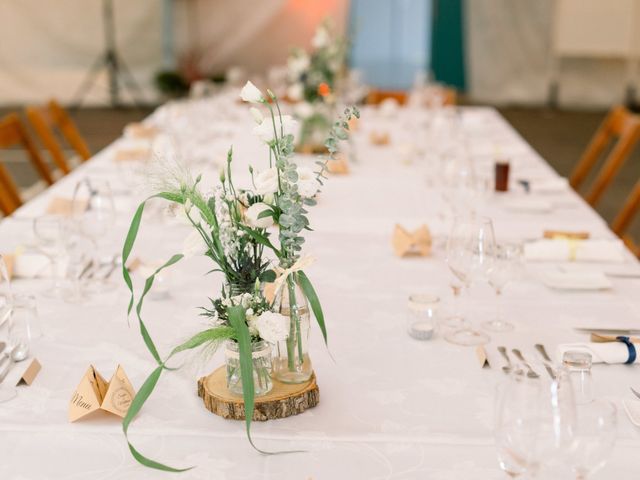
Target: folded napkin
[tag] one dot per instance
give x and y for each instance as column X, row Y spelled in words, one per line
column 27, row 265
column 611, row 353
column 574, row 250
column 566, row 234
column 550, row 185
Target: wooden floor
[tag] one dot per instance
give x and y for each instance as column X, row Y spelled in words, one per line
column 559, row 136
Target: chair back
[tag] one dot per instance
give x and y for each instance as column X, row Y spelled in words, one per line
column 619, row 123
column 9, row 196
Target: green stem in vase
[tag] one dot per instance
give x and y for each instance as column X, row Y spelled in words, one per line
column 294, row 325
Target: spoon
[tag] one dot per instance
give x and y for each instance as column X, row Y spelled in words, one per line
column 16, row 355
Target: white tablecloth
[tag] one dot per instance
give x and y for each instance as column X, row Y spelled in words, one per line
column 391, row 406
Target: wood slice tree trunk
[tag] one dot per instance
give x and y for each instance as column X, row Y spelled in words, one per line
column 282, row 401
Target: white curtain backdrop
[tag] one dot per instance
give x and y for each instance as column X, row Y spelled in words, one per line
column 46, row 47
column 508, row 57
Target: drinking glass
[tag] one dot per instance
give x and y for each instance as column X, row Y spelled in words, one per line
column 516, row 424
column 499, row 274
column 92, row 207
column 6, row 296
column 470, row 249
column 51, row 233
column 82, row 261
column 594, row 437
column 22, row 317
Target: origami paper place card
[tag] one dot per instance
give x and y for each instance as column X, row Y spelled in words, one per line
column 417, row 243
column 379, row 138
column 66, row 206
column 140, row 131
column 94, row 393
column 30, row 373
column 133, row 154
column 338, row 166
column 481, row 355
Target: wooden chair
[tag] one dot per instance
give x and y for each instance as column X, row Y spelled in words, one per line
column 621, row 222
column 52, row 116
column 9, row 196
column 620, row 123
column 13, row 132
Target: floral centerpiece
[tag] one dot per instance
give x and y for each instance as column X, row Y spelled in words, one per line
column 231, row 227
column 313, row 79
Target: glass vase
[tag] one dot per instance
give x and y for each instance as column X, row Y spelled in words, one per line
column 261, row 356
column 291, row 363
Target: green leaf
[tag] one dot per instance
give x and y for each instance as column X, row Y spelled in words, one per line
column 311, row 295
column 137, row 403
column 268, row 276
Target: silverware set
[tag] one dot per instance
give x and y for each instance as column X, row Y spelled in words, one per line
column 100, row 270
column 8, row 359
column 516, row 368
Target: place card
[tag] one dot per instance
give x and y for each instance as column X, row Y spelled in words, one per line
column 416, row 243
column 141, row 154
column 30, row 373
column 338, row 165
column 565, row 234
column 481, row 354
column 94, row 393
column 9, row 261
column 66, row 206
column 379, row 138
column 139, row 130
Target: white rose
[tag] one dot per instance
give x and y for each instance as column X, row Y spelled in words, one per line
column 321, row 38
column 303, row 110
column 266, row 181
column 295, row 92
column 194, row 245
column 273, row 327
column 308, row 184
column 254, row 211
column 257, row 115
column 250, row 93
column 265, row 131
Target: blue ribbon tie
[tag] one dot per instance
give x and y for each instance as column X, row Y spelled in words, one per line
column 631, row 347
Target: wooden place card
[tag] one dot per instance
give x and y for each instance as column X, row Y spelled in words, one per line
column 379, row 138
column 30, row 373
column 94, row 393
column 140, row 131
column 481, row 354
column 407, row 244
column 338, row 165
column 568, row 235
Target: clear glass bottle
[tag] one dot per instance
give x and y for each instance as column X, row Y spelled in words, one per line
column 577, row 364
column 291, row 362
column 261, row 356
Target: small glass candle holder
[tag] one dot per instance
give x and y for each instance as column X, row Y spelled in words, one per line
column 578, row 365
column 422, row 318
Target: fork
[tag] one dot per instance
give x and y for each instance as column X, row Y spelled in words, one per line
column 635, row 392
column 530, row 372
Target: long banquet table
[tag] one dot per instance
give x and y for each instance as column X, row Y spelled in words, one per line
column 391, row 406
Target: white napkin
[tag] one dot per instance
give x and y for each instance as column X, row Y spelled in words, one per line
column 576, row 250
column 610, row 352
column 550, row 185
column 31, row 265
column 575, row 280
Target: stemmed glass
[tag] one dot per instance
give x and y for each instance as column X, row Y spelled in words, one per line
column 470, row 249
column 51, row 232
column 501, row 271
column 594, row 437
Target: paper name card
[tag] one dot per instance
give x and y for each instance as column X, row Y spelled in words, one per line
column 30, row 373
column 379, row 138
column 338, row 165
column 132, row 154
column 94, row 393
column 9, row 261
column 416, row 243
column 66, row 206
column 481, row 355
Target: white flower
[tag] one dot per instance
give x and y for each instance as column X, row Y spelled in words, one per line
column 265, row 131
column 307, row 182
column 295, row 91
column 273, row 327
column 303, row 110
column 254, row 211
column 194, row 245
column 267, row 181
column 250, row 93
column 321, row 38
column 257, row 115
column 187, row 205
column 298, row 64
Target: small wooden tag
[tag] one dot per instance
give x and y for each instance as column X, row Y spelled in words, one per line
column 132, row 155
column 481, row 353
column 140, row 131
column 417, row 243
column 94, row 393
column 30, row 374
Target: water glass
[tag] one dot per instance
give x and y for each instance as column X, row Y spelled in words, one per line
column 422, row 318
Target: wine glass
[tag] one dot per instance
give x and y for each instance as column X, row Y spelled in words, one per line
column 51, row 233
column 501, row 271
column 470, row 249
column 594, row 437
column 6, row 295
column 92, row 207
column 516, row 425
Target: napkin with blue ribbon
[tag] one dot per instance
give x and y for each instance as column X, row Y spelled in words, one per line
column 621, row 351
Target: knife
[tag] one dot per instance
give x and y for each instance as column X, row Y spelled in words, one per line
column 619, row 331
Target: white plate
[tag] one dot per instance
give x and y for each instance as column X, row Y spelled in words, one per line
column 575, row 281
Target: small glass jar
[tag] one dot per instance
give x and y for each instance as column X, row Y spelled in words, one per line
column 577, row 364
column 422, row 318
column 261, row 356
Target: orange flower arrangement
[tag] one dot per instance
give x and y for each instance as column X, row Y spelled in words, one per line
column 324, row 89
